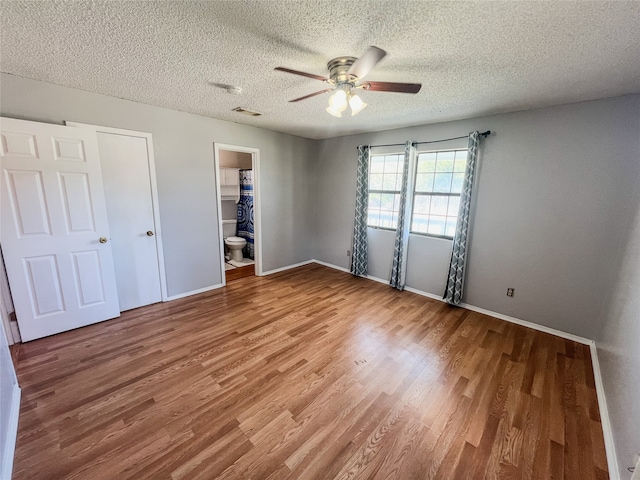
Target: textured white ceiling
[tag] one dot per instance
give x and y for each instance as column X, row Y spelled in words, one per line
column 473, row 58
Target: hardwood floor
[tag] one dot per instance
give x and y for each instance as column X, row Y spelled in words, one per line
column 239, row 272
column 309, row 373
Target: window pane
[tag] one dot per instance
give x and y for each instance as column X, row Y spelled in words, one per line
column 394, row 220
column 388, row 219
column 445, row 161
column 456, row 184
column 420, row 223
column 400, row 163
column 389, row 181
column 375, row 181
column 461, row 161
column 386, row 201
column 450, row 229
column 374, row 201
column 424, row 182
column 439, row 205
column 454, row 206
column 436, row 225
column 377, row 164
column 396, row 203
column 391, row 164
column 426, row 162
column 442, row 182
column 386, row 174
column 421, row 204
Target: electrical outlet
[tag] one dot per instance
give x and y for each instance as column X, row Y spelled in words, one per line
column 348, row 253
column 510, row 292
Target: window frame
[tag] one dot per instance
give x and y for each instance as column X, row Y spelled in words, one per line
column 392, row 192
column 433, row 194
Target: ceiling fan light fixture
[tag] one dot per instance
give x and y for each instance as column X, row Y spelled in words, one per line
column 356, row 104
column 338, row 103
column 335, row 113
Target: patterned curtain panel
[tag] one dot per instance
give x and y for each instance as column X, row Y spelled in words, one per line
column 359, row 250
column 401, row 246
column 245, row 212
column 455, row 280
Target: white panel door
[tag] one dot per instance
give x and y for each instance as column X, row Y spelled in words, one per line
column 54, row 228
column 125, row 170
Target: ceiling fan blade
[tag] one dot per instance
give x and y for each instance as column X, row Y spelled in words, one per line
column 303, row 74
column 366, row 62
column 312, row 95
column 391, row 87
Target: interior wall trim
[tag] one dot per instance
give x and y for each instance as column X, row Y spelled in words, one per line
column 6, row 467
column 287, row 267
column 525, row 323
column 193, row 292
column 342, row 269
column 607, row 431
column 614, row 472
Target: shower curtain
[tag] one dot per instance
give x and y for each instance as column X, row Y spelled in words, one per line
column 245, row 212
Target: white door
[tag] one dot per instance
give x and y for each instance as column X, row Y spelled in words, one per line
column 125, row 171
column 54, row 228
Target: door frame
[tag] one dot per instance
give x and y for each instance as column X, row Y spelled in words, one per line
column 154, row 190
column 257, row 218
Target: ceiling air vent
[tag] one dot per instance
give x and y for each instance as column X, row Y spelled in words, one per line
column 246, row 112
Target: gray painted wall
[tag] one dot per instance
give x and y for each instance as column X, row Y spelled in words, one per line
column 552, row 199
column 183, row 145
column 619, row 342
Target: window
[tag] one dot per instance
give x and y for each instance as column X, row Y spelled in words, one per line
column 385, row 183
column 439, row 179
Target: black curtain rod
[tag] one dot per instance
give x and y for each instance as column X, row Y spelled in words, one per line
column 484, row 134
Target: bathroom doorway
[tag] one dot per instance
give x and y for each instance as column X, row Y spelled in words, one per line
column 237, row 182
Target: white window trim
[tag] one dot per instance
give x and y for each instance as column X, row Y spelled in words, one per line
column 392, row 192
column 414, row 193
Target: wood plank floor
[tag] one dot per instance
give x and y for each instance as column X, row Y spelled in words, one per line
column 307, row 374
column 239, row 272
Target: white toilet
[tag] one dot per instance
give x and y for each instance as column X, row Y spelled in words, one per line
column 235, row 244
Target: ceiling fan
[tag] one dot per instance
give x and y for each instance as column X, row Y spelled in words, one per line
column 345, row 76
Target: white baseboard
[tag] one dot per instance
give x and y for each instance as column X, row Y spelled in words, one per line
column 193, row 292
column 424, row 294
column 524, row 323
column 609, row 445
column 288, row 267
column 330, row 265
column 15, row 332
column 12, row 433
column 377, row 279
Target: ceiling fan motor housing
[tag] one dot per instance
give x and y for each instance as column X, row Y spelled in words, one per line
column 338, row 68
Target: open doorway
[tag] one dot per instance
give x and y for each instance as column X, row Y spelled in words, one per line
column 237, row 183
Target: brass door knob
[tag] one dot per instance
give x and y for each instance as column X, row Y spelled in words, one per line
column 149, row 233
column 103, row 240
